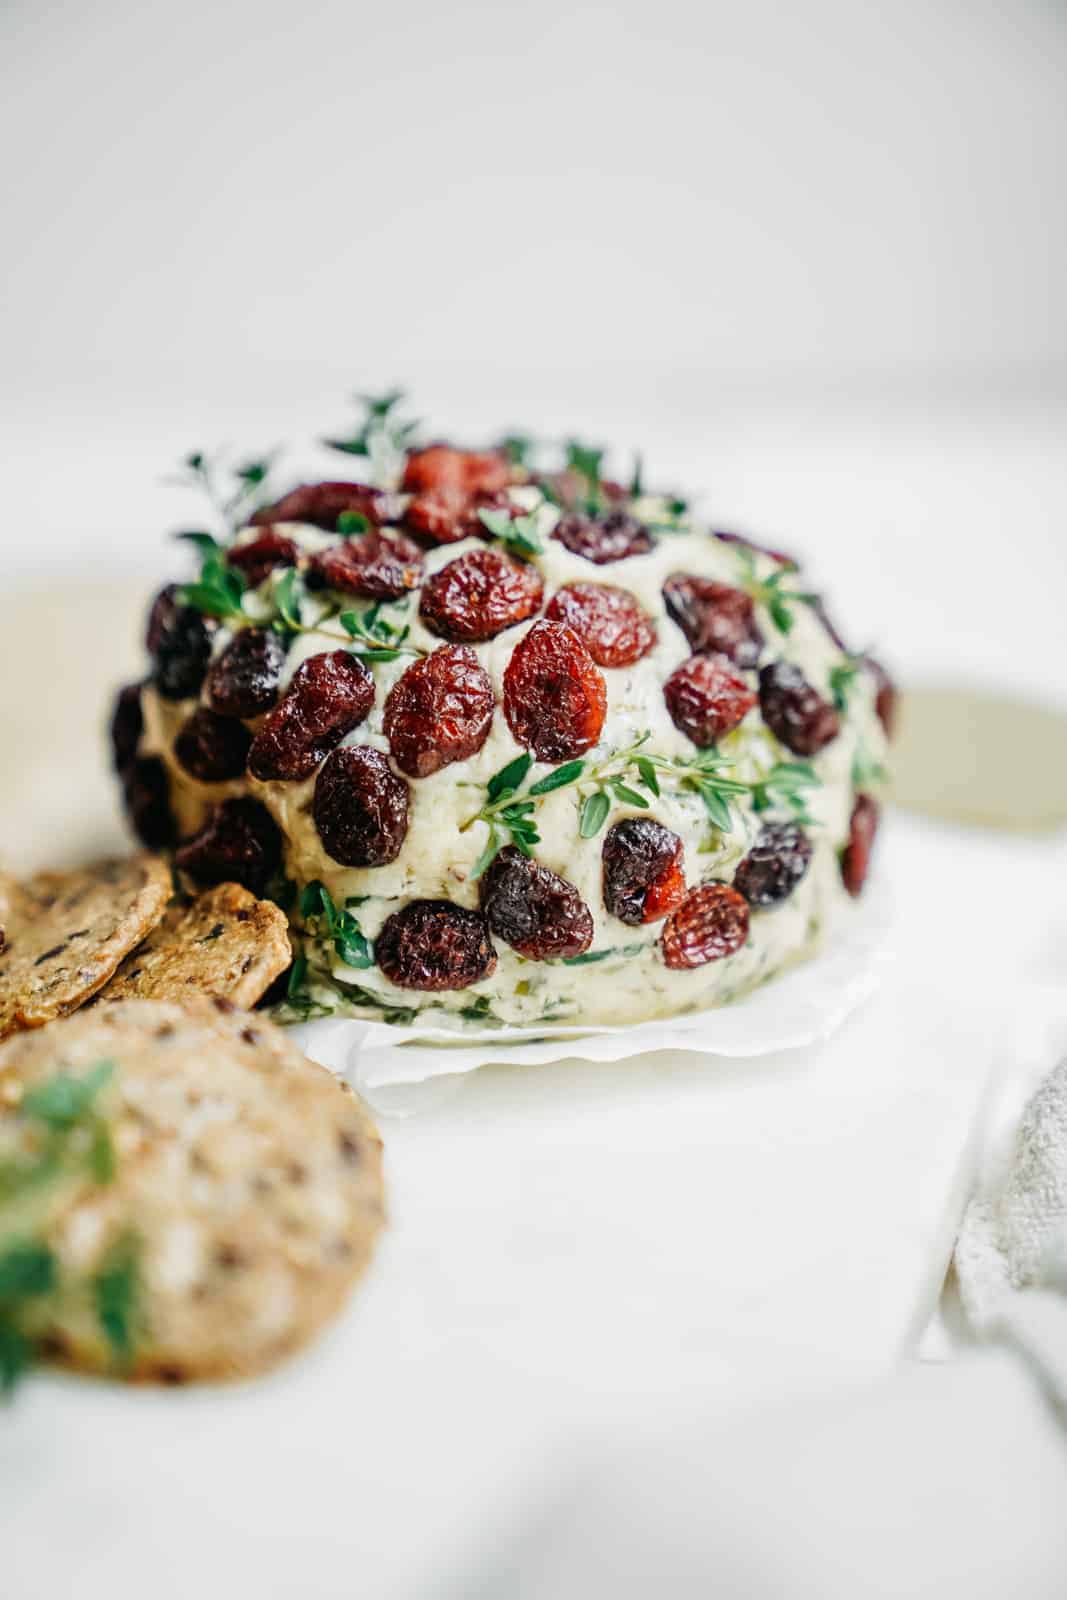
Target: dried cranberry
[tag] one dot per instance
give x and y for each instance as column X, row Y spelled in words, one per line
column 146, row 790
column 127, row 725
column 212, row 748
column 540, row 915
column 707, row 698
column 330, row 694
column 378, row 566
column 714, row 617
column 449, row 487
column 555, row 698
column 775, row 865
column 644, row 873
column 244, row 681
column 615, row 630
column 239, row 843
column 885, row 695
column 609, row 536
column 570, row 489
column 360, row 807
column 323, row 504
column 257, row 558
column 710, row 923
column 432, row 944
column 179, row 642
column 439, row 711
column 761, row 549
column 795, row 712
column 478, row 595
column 856, row 856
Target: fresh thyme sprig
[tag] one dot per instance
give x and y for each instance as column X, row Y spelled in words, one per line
column 246, row 493
column 842, row 680
column 588, row 464
column 376, row 638
column 323, row 920
column 383, row 437
column 518, row 447
column 520, row 535
column 71, row 1138
column 508, row 811
column 219, row 591
column 307, row 983
column 867, row 772
column 770, row 591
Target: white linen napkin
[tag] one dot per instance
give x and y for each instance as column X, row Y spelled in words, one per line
column 1011, row 1255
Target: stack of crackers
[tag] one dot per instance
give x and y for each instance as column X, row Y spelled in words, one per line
column 183, row 1194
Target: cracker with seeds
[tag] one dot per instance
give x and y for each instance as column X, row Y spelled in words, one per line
column 225, row 942
column 66, row 932
column 243, row 1200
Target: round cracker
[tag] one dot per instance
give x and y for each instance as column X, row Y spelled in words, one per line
column 66, row 932
column 247, row 1177
column 225, row 942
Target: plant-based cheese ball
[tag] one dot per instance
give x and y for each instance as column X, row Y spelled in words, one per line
column 508, row 740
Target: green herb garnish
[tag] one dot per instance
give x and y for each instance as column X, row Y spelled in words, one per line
column 770, row 591
column 377, row 638
column 116, row 1293
column 219, row 591
column 591, row 956
column 518, row 534
column 340, row 928
column 867, row 773
column 587, row 463
column 509, row 809
column 382, row 436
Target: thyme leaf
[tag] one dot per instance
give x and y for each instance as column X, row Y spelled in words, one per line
column 340, row 928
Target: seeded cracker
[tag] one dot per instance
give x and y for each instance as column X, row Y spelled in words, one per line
column 66, row 932
column 226, row 942
column 245, row 1198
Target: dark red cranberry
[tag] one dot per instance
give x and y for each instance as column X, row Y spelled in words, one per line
column 360, row 807
column 374, row 565
column 710, row 924
column 212, row 748
column 439, row 711
column 239, row 843
column 330, row 694
column 244, row 681
column 257, row 558
column 762, row 549
column 775, row 865
column 146, row 791
column 539, row 914
column 555, row 697
column 795, row 712
column 856, row 856
column 609, row 536
column 324, row 504
column 478, row 595
column 715, row 618
column 127, row 725
column 885, row 695
column 449, row 487
column 434, row 945
column 644, row 871
column 179, row 642
column 707, row 698
column 609, row 621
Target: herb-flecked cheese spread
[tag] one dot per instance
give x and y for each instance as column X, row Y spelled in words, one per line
column 762, row 779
